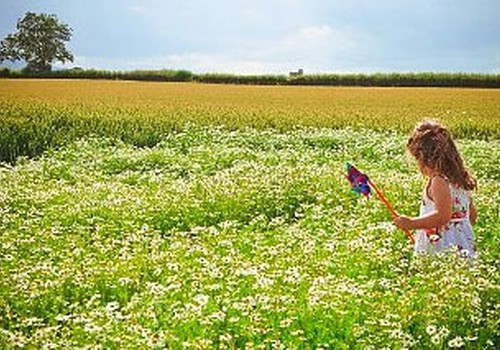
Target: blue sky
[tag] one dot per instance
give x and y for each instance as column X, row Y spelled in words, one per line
column 276, row 36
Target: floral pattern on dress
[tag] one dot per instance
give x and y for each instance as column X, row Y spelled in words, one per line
column 456, row 235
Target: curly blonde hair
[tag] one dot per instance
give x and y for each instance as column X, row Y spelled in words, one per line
column 432, row 145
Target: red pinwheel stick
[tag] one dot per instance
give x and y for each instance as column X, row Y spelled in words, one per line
column 391, row 208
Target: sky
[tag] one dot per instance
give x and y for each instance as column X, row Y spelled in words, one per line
column 275, row 36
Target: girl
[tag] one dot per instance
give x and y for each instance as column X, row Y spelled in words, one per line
column 447, row 212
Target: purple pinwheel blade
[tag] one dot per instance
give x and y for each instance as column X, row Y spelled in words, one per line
column 358, row 181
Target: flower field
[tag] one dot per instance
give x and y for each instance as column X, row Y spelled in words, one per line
column 235, row 226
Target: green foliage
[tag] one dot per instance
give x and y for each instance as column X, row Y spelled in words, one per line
column 425, row 79
column 236, row 239
column 218, row 78
column 164, row 75
column 39, row 40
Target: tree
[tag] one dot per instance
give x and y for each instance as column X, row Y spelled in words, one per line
column 39, row 41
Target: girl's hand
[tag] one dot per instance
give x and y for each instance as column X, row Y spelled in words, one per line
column 403, row 222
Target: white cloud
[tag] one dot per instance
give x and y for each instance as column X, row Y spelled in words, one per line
column 320, row 33
column 314, row 48
column 195, row 61
column 142, row 10
column 322, row 38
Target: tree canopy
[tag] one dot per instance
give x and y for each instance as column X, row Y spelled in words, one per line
column 39, row 41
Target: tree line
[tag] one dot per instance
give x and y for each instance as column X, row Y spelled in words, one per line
column 430, row 79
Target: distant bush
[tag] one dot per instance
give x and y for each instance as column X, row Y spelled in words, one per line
column 217, row 78
column 377, row 79
column 401, row 79
column 80, row 73
column 4, row 72
column 425, row 79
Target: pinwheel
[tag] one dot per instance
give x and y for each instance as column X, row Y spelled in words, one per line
column 361, row 184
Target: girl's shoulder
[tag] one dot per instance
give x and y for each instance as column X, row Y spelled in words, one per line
column 438, row 185
column 437, row 181
column 440, row 180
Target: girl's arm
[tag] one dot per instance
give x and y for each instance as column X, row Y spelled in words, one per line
column 472, row 213
column 440, row 193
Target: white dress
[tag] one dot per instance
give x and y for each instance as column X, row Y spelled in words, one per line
column 457, row 235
